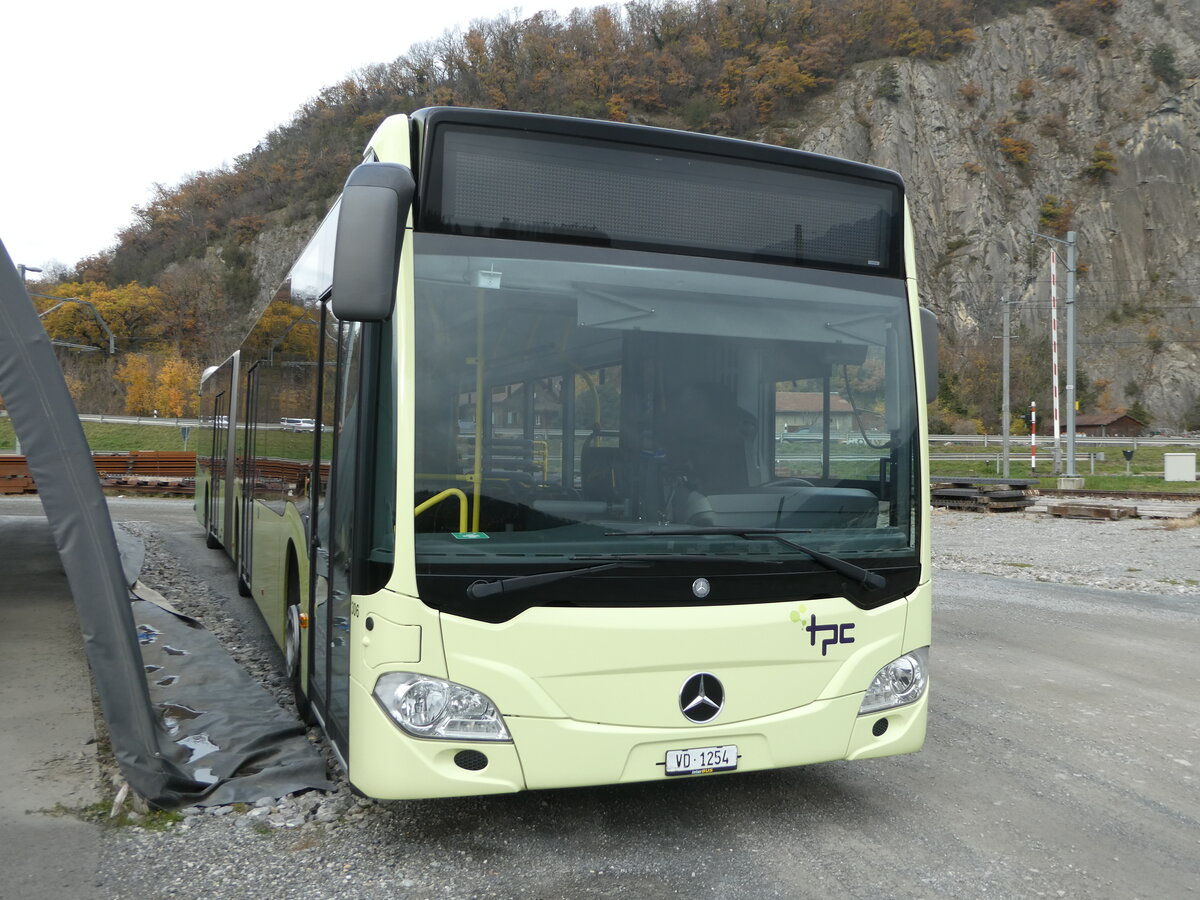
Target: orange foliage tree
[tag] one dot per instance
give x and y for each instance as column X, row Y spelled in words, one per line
column 132, row 312
column 135, row 371
column 177, row 387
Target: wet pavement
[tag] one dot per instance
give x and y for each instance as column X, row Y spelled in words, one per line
column 47, row 730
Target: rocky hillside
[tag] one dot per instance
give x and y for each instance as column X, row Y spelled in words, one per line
column 987, row 138
column 1076, row 115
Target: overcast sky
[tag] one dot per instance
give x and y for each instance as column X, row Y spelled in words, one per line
column 103, row 100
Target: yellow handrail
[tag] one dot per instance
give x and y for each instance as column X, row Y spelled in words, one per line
column 438, row 498
column 479, row 406
column 542, row 447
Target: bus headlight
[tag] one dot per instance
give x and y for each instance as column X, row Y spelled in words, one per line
column 900, row 682
column 434, row 708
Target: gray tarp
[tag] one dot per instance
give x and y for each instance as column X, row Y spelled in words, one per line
column 153, row 761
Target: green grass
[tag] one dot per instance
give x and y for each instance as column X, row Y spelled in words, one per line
column 1146, row 467
column 111, row 437
column 99, row 813
column 106, row 437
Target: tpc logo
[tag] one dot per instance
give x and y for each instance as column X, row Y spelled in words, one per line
column 836, row 633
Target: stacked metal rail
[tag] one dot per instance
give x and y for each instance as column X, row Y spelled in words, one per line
column 974, row 494
column 145, row 471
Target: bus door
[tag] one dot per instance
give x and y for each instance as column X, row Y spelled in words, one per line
column 214, row 513
column 247, row 470
column 330, row 592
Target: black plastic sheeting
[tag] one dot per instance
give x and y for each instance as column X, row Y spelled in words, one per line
column 165, row 768
column 237, row 737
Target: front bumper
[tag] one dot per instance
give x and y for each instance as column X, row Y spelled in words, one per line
column 557, row 753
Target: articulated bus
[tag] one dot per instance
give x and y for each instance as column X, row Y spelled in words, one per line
column 616, row 467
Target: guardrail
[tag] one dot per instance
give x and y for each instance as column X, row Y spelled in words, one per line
column 1046, row 440
column 1090, row 457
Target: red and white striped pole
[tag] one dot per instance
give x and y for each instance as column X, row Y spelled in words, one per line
column 1054, row 355
column 1032, row 435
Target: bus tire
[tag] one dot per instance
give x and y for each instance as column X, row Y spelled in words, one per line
column 210, row 538
column 293, row 637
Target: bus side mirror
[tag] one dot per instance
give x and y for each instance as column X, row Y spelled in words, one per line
column 929, row 344
column 370, row 235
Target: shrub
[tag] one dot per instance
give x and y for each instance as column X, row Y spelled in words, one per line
column 887, row 86
column 1102, row 164
column 1162, row 65
column 1078, row 16
column 1017, row 151
column 1053, row 126
column 1055, row 215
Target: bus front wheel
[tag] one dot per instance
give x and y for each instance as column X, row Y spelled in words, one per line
column 293, row 635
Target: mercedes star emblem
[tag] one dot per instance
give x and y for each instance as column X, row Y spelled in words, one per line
column 701, row 698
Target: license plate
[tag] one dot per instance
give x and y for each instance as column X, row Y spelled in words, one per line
column 702, row 760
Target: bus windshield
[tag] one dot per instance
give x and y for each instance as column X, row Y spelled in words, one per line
column 577, row 404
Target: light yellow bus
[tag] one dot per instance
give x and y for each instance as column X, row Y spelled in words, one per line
column 616, row 469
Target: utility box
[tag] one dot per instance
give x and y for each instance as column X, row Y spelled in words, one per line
column 1179, row 467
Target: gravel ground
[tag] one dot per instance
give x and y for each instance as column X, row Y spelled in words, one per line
column 334, row 845
column 1154, row 556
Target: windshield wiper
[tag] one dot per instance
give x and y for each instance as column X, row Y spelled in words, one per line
column 480, row 589
column 866, row 578
column 675, row 557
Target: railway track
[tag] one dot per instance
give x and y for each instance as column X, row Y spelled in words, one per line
column 1123, row 495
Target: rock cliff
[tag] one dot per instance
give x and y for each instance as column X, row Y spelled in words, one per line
column 976, row 199
column 1033, row 129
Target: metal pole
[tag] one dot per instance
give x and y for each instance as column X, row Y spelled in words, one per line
column 1054, row 360
column 21, row 270
column 1005, row 415
column 1070, row 352
column 1032, row 435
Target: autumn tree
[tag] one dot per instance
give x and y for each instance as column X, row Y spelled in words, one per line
column 132, row 313
column 135, row 371
column 177, row 387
